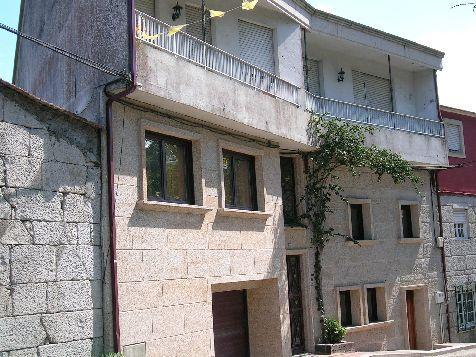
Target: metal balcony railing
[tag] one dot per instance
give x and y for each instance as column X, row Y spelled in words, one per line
column 154, row 32
column 361, row 114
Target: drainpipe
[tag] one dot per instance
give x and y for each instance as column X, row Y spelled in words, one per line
column 110, row 174
column 442, row 251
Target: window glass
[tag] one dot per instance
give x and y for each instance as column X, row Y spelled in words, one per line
column 168, row 169
column 407, row 226
column 175, row 167
column 345, row 308
column 357, row 219
column 372, row 304
column 239, row 181
column 289, row 190
column 153, row 155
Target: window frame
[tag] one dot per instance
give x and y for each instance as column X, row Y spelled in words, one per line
column 295, row 221
column 381, row 301
column 367, row 217
column 459, row 124
column 251, row 174
column 355, row 304
column 461, row 301
column 189, row 179
column 415, row 219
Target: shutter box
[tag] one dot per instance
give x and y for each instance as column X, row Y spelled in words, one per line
column 256, row 45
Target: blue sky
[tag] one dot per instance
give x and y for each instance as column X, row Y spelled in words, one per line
column 430, row 22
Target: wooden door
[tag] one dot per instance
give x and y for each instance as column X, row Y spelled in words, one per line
column 230, row 323
column 295, row 303
column 412, row 338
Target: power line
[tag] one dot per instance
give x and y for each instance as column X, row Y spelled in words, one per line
column 73, row 56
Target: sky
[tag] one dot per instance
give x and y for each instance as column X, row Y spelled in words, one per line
column 430, row 22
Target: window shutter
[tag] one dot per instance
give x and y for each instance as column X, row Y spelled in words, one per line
column 454, row 137
column 371, row 90
column 313, row 77
column 256, row 45
column 146, row 6
column 459, row 216
column 193, row 15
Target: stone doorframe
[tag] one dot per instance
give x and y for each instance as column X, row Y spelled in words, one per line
column 308, row 301
column 422, row 316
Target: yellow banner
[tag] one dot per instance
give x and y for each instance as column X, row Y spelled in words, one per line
column 249, row 5
column 216, row 13
column 174, row 29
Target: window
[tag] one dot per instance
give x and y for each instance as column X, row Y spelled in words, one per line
column 239, row 181
column 409, row 219
column 256, row 45
column 372, row 304
column 169, row 169
column 454, row 136
column 460, row 224
column 376, row 303
column 289, row 190
column 345, row 308
column 312, row 77
column 465, row 306
column 146, row 6
column 193, row 16
column 372, row 91
column 360, row 219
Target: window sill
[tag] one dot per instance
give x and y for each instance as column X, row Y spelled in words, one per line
column 173, row 207
column 411, row 240
column 239, row 213
column 294, row 228
column 362, row 243
column 371, row 326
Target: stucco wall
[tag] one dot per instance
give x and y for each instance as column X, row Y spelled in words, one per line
column 170, row 262
column 50, row 255
column 386, row 261
column 460, row 257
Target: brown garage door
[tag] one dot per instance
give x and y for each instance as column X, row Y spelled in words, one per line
column 230, row 324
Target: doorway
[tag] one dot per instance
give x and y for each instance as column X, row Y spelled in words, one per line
column 412, row 337
column 296, row 315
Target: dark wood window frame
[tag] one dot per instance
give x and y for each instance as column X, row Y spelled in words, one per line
column 252, row 179
column 189, row 182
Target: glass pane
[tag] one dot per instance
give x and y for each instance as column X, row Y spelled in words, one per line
column 228, row 180
column 244, row 195
column 288, row 188
column 175, row 172
column 357, row 219
column 153, row 169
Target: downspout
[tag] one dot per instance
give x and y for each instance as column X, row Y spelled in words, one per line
column 391, row 83
column 110, row 174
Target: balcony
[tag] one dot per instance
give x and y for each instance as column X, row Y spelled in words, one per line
column 185, row 76
column 356, row 113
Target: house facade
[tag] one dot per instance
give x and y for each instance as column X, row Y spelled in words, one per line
column 457, row 195
column 206, row 160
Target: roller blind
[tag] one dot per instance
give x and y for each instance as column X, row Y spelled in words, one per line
column 193, row 15
column 459, row 216
column 371, row 90
column 256, row 45
column 313, row 76
column 146, row 6
column 453, row 136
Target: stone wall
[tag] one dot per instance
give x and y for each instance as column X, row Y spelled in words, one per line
column 50, row 256
column 388, row 262
column 171, row 259
column 460, row 257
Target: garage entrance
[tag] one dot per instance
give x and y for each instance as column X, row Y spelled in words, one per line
column 230, row 323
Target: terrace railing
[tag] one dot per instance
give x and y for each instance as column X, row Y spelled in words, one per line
column 154, row 32
column 362, row 114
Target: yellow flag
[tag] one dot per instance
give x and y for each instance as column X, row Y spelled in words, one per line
column 249, row 5
column 216, row 13
column 174, row 29
column 150, row 37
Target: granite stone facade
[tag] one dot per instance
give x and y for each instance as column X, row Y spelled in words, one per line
column 50, row 253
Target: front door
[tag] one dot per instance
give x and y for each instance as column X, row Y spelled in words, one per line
column 295, row 303
column 230, row 324
column 410, row 298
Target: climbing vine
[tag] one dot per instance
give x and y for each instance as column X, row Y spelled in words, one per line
column 341, row 145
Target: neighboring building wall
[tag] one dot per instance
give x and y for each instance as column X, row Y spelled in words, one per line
column 50, row 255
column 96, row 30
column 172, row 258
column 387, row 262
